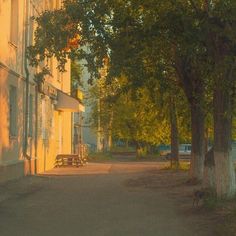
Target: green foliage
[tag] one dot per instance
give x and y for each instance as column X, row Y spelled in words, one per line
column 76, row 75
column 100, row 156
column 140, row 116
column 135, row 117
column 183, row 166
column 211, row 202
column 142, row 39
column 158, row 46
column 122, row 149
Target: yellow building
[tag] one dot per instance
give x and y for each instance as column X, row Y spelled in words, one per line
column 36, row 119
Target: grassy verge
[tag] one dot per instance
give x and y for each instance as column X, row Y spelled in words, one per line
column 224, row 212
column 228, row 228
column 183, row 165
column 149, row 157
column 100, row 156
column 123, row 149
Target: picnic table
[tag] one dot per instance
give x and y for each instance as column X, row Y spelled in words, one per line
column 68, row 160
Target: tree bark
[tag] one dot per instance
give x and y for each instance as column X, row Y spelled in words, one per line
column 209, row 170
column 139, row 149
column 224, row 169
column 193, row 87
column 109, row 141
column 198, row 143
column 174, row 135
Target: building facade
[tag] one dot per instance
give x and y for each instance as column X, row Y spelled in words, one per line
column 36, row 119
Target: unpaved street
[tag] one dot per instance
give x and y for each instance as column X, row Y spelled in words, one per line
column 109, row 199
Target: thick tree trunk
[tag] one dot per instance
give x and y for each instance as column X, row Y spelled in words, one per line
column 206, row 139
column 174, row 136
column 198, row 143
column 141, row 149
column 109, row 141
column 209, row 170
column 224, row 169
column 138, row 149
column 193, row 87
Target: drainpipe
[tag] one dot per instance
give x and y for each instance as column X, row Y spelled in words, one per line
column 27, row 74
column 36, row 129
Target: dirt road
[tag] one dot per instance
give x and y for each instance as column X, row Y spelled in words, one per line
column 107, row 199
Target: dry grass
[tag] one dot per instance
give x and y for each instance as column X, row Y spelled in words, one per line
column 218, row 216
column 183, row 165
column 225, row 215
column 100, row 157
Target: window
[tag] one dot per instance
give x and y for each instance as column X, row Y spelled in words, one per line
column 51, row 65
column 57, row 4
column 12, row 111
column 14, row 22
column 31, row 115
column 31, row 31
column 59, row 74
column 48, row 5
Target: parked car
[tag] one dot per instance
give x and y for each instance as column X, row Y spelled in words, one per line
column 184, row 151
column 164, row 149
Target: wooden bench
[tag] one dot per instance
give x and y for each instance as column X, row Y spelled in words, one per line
column 68, row 160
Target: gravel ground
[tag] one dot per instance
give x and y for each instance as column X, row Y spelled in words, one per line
column 106, row 199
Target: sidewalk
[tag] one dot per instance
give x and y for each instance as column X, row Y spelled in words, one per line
column 105, row 168
column 88, row 169
column 100, row 199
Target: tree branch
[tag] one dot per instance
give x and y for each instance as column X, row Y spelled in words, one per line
column 193, row 5
column 206, row 6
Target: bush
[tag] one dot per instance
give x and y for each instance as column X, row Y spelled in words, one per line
column 100, row 156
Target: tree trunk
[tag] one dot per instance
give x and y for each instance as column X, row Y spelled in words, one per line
column 109, row 141
column 224, row 169
column 174, row 135
column 127, row 144
column 141, row 149
column 209, row 170
column 193, row 87
column 198, row 143
column 206, row 139
column 138, row 149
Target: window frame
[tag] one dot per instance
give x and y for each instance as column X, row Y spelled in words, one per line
column 13, row 111
column 14, row 23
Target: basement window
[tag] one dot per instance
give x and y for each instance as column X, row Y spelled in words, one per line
column 12, row 111
column 14, row 30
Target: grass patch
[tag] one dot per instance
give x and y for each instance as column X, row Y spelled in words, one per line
column 226, row 214
column 211, row 202
column 183, row 165
column 149, row 157
column 229, row 226
column 100, row 156
column 123, row 149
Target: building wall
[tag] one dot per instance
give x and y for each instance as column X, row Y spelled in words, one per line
column 11, row 74
column 89, row 134
column 54, row 127
column 51, row 129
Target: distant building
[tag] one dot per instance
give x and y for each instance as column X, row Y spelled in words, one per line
column 96, row 138
column 88, row 132
column 47, row 121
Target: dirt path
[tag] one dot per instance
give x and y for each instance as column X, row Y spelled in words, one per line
column 108, row 199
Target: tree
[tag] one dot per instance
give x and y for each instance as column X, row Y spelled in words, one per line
column 136, row 121
column 146, row 41
column 221, row 44
column 184, row 30
column 76, row 74
column 170, row 39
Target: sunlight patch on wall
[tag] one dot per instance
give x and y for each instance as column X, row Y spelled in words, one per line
column 4, row 135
